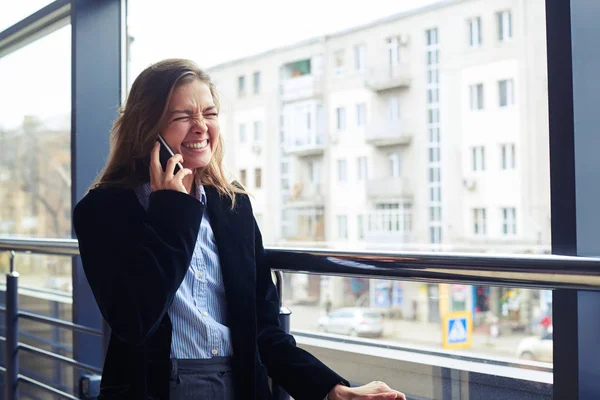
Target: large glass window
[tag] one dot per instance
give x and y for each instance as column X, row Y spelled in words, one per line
column 13, row 12
column 428, row 101
column 35, row 138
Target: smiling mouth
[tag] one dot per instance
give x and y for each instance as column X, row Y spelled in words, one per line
column 196, row 145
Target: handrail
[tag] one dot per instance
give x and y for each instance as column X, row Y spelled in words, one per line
column 540, row 271
column 533, row 271
column 59, row 247
column 47, row 388
column 58, row 323
column 57, row 357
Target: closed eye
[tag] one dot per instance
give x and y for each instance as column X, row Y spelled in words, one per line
column 181, row 118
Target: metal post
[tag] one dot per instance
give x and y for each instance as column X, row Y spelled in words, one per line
column 284, row 322
column 56, row 345
column 12, row 331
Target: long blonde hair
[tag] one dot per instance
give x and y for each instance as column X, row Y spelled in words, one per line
column 138, row 124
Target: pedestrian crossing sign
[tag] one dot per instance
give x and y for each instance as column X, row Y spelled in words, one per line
column 457, row 330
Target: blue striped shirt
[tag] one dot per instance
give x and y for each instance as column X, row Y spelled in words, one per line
column 199, row 311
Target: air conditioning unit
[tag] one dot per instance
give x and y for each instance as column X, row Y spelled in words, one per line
column 470, row 184
column 403, row 39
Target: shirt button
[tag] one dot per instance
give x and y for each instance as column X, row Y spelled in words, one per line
column 199, row 275
column 214, row 352
column 204, row 313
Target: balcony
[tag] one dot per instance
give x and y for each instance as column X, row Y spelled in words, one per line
column 388, row 133
column 303, row 218
column 311, row 145
column 305, row 195
column 388, row 226
column 387, row 188
column 389, row 77
column 301, row 88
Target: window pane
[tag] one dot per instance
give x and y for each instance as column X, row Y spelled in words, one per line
column 435, row 84
column 258, row 178
column 14, row 11
column 256, row 81
column 35, row 138
column 35, row 187
column 403, row 314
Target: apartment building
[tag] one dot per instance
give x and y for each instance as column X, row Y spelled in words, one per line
column 426, row 130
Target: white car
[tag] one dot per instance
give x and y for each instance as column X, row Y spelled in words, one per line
column 537, row 348
column 353, row 321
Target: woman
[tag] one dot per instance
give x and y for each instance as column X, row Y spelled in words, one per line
column 177, row 265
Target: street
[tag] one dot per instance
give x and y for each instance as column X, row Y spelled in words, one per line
column 415, row 333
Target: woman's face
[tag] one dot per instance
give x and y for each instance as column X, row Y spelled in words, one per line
column 192, row 128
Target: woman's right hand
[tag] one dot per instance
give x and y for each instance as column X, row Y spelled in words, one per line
column 165, row 180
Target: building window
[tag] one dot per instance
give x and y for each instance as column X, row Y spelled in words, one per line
column 341, row 169
column 342, row 227
column 256, row 82
column 475, row 32
column 241, row 86
column 476, row 97
column 506, row 93
column 395, row 165
column 509, row 221
column 393, row 108
column 435, row 213
column 315, row 172
column 243, row 134
column 338, row 58
column 362, row 168
column 508, row 156
column 393, row 49
column 360, row 57
column 479, row 222
column 361, row 114
column 435, row 176
column 504, row 21
column 340, row 118
column 320, row 116
column 360, row 222
column 257, row 131
column 478, row 158
column 257, row 178
column 243, row 177
column 435, row 234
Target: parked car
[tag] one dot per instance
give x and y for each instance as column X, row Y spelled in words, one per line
column 353, row 321
column 537, row 348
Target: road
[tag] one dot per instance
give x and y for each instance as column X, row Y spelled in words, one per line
column 416, row 333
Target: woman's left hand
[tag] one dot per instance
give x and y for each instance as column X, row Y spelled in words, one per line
column 372, row 391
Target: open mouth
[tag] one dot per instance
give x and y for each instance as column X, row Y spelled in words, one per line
column 197, row 145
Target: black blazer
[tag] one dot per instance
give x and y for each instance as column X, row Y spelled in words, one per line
column 135, row 261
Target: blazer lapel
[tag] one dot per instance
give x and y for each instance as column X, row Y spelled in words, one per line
column 234, row 235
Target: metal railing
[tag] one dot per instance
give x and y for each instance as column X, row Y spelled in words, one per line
column 62, row 247
column 550, row 272
column 534, row 271
column 12, row 346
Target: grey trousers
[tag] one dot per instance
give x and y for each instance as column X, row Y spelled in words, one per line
column 202, row 379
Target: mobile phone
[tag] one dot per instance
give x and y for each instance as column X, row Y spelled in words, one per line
column 165, row 154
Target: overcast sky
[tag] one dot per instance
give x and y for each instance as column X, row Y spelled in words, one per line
column 36, row 79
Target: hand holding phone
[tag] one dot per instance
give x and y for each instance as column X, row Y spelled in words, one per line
column 166, row 171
